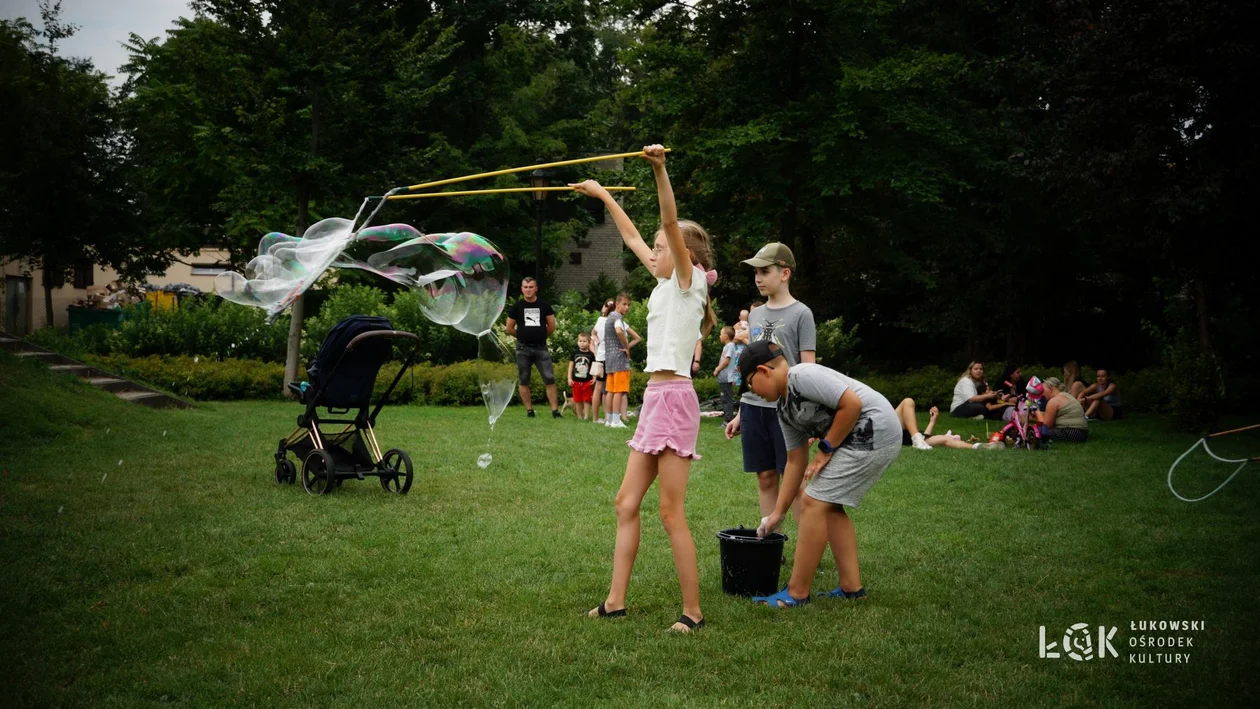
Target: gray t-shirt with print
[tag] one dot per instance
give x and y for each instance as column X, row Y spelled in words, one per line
column 615, row 359
column 791, row 328
column 809, row 406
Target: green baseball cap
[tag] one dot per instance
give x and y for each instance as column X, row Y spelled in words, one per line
column 773, row 254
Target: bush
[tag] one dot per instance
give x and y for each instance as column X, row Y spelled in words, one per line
column 571, row 318
column 344, row 302
column 201, row 378
column 208, row 327
column 837, row 347
column 1195, row 384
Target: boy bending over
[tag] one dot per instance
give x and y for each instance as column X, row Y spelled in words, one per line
column 859, row 436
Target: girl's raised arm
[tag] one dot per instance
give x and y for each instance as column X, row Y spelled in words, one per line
column 655, row 154
column 629, row 234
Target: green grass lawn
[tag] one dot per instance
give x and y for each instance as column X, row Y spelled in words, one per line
column 148, row 557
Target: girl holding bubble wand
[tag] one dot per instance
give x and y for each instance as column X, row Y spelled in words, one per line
column 664, row 444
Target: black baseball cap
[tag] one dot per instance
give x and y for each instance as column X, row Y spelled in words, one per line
column 754, row 355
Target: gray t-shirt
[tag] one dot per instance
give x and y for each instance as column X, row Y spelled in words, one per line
column 727, row 375
column 615, row 359
column 791, row 328
column 810, row 405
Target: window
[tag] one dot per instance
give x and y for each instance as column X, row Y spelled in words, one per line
column 83, row 274
column 207, row 269
column 575, row 258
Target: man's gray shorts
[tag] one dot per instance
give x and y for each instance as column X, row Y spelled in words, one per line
column 850, row 473
column 533, row 355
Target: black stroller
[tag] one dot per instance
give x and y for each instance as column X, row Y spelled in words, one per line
column 342, row 376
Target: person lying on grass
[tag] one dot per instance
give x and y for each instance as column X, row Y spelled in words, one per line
column 910, row 435
column 859, row 436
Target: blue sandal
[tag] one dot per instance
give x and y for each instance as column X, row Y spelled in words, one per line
column 838, row 592
column 783, row 597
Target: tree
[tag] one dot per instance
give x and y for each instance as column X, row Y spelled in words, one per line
column 254, row 115
column 290, row 114
column 65, row 197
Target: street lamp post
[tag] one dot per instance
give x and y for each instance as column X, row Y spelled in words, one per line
column 539, row 178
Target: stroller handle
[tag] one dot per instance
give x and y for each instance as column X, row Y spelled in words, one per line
column 387, row 334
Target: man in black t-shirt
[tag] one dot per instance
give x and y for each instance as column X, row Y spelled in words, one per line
column 531, row 320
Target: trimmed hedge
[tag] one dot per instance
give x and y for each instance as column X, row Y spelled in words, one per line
column 205, row 379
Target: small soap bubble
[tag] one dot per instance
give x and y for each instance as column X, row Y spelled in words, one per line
column 163, row 434
column 59, row 509
column 484, row 460
column 120, row 462
column 104, row 476
column 108, row 429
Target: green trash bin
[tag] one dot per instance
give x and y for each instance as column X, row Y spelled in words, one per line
column 87, row 317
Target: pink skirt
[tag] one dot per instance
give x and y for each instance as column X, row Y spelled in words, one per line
column 670, row 418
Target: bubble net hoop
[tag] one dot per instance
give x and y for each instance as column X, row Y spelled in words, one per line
column 1203, row 442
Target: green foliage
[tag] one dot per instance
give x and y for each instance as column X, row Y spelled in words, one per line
column 65, row 185
column 201, row 379
column 837, row 347
column 344, row 302
column 1196, row 388
column 600, row 291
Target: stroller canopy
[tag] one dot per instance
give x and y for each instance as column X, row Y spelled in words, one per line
column 349, row 380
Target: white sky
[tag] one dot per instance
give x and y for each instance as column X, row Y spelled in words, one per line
column 104, row 25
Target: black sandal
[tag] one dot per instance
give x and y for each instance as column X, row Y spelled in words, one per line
column 610, row 614
column 687, row 621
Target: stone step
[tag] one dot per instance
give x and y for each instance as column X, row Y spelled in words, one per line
column 136, row 395
column 113, row 384
column 79, row 369
column 124, row 389
column 152, row 399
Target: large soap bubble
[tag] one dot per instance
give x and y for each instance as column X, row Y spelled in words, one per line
column 460, row 279
column 286, row 266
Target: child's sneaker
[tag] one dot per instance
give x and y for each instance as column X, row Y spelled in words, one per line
column 555, row 414
column 529, row 413
column 918, row 441
column 617, row 424
column 601, row 421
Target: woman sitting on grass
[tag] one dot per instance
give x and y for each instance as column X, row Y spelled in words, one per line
column 1063, row 419
column 1102, row 398
column 971, row 393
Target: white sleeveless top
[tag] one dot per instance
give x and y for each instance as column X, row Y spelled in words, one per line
column 673, row 322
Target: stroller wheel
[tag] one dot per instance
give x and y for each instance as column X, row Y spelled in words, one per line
column 318, row 473
column 396, row 471
column 286, row 471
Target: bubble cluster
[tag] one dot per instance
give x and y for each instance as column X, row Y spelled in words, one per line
column 286, row 266
column 459, row 280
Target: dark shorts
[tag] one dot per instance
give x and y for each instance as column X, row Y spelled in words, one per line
column 1117, row 413
column 972, row 409
column 905, row 438
column 762, row 439
column 533, row 355
column 1069, row 435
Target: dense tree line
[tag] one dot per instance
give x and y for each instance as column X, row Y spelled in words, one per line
column 970, row 178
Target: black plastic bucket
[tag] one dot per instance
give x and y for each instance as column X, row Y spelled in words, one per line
column 750, row 566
